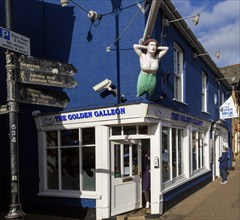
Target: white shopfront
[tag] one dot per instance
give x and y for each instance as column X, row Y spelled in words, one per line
column 96, row 154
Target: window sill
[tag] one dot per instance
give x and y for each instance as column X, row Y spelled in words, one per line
column 205, row 112
column 71, row 194
column 171, row 184
column 181, row 102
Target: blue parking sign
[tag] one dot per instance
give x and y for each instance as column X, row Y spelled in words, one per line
column 14, row 41
column 4, row 33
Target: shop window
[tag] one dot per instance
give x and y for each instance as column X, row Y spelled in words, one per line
column 116, row 130
column 70, row 168
column 172, row 153
column 165, row 153
column 201, row 161
column 180, row 152
column 65, row 156
column 198, row 150
column 129, row 130
column 194, row 150
column 88, row 136
column 88, row 171
column 177, row 152
column 142, row 129
column 52, row 160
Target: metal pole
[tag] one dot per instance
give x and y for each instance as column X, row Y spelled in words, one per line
column 15, row 211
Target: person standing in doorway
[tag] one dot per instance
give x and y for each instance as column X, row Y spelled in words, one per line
column 146, row 178
column 223, row 165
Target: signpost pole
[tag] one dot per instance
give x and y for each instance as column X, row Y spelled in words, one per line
column 15, row 211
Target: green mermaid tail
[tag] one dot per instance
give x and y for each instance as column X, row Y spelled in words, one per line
column 146, row 83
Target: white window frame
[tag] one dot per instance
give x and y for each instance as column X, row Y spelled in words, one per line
column 204, row 93
column 222, row 97
column 179, row 176
column 200, row 157
column 179, row 92
column 44, row 190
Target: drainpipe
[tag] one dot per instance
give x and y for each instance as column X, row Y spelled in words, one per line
column 213, row 146
column 151, row 19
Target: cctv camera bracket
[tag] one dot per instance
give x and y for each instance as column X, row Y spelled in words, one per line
column 105, row 84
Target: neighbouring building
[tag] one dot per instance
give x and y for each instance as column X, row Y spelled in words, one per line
column 232, row 75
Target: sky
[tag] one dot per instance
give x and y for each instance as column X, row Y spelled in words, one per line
column 218, row 27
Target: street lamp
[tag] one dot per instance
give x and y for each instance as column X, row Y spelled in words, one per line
column 216, row 54
column 195, row 20
column 92, row 15
column 64, row 3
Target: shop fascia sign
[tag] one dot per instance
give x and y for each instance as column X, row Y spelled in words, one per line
column 228, row 109
column 187, row 119
column 104, row 114
column 83, row 115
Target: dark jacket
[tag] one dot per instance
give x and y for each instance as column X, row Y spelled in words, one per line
column 146, row 174
column 223, row 161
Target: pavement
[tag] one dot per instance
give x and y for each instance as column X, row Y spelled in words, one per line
column 212, row 202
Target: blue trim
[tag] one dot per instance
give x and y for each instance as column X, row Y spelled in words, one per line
column 63, row 201
column 185, row 187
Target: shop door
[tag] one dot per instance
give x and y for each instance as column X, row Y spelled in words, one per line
column 126, row 193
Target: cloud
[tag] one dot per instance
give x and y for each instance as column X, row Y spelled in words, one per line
column 218, row 28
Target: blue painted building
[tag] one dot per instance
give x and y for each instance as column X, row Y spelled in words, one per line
column 87, row 156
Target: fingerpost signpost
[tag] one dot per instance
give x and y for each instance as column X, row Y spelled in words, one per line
column 29, row 80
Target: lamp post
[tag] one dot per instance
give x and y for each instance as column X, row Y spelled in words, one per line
column 15, row 211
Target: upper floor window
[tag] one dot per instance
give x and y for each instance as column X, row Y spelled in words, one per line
column 221, row 97
column 204, row 92
column 178, row 74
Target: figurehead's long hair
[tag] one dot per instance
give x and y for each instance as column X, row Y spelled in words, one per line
column 149, row 41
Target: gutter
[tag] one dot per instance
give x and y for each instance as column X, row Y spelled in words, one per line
column 182, row 26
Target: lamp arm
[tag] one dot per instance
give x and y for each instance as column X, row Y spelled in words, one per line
column 203, row 54
column 183, row 18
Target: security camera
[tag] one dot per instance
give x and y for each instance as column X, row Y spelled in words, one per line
column 105, row 84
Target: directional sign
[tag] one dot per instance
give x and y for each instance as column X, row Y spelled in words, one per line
column 49, row 66
column 3, row 109
column 47, row 79
column 41, row 96
column 14, row 41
